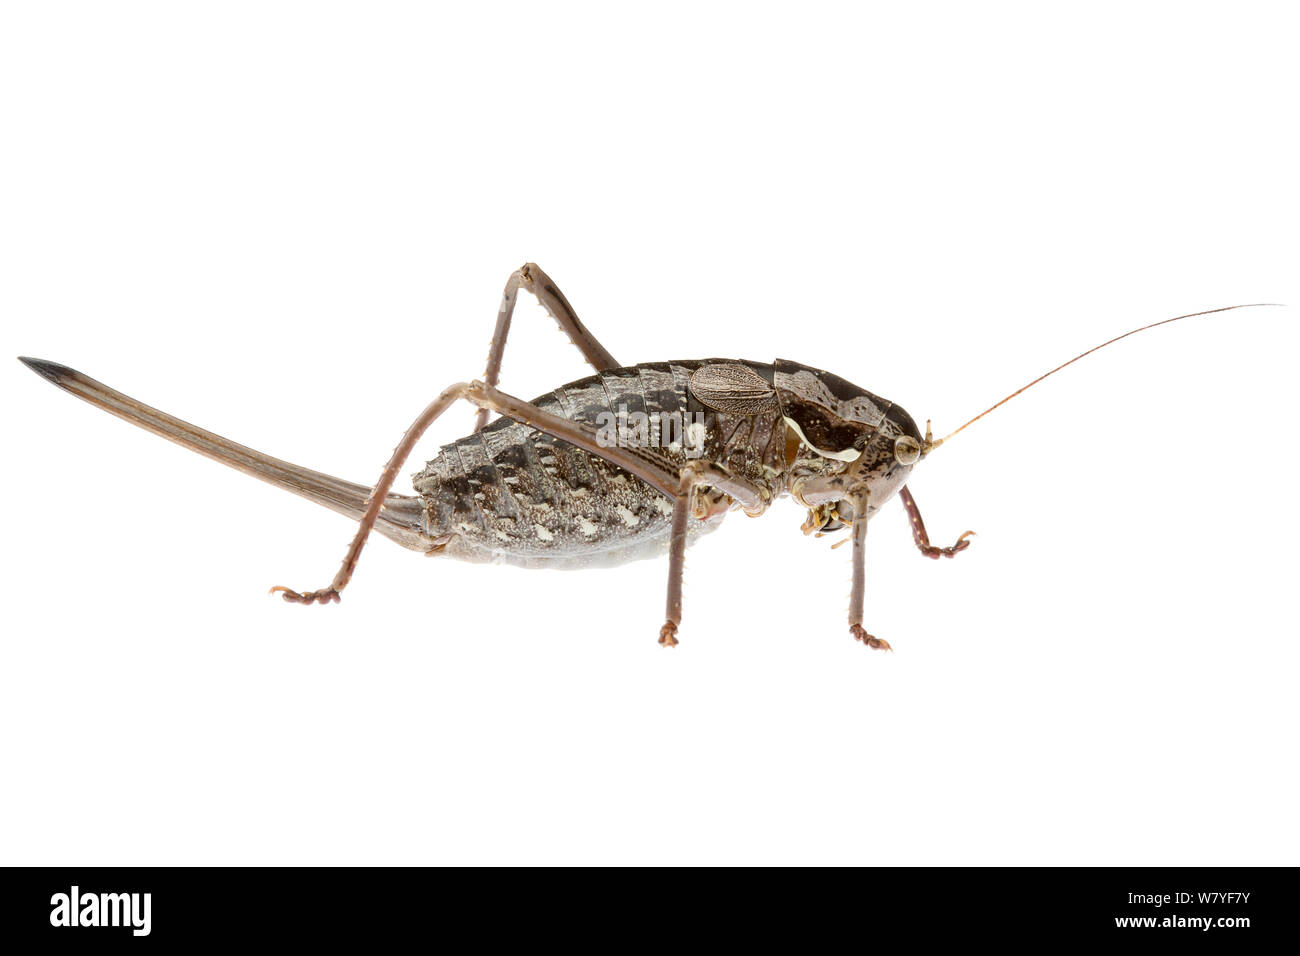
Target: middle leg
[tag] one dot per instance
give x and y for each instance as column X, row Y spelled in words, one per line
column 694, row 476
column 857, row 597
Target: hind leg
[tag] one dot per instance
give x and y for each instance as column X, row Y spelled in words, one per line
column 531, row 277
column 645, row 463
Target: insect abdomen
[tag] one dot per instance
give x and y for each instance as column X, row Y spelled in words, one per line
column 510, row 493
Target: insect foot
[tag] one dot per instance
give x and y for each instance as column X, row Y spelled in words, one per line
column 930, row 551
column 311, row 597
column 668, row 635
column 860, row 634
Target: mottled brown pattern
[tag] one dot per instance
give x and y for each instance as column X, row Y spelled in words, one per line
column 512, row 494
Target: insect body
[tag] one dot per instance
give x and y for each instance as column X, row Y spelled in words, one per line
column 625, row 464
column 514, row 494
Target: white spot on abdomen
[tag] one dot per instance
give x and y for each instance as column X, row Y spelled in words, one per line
column 629, row 519
column 543, row 533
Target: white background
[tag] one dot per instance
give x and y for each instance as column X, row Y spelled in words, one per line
column 291, row 223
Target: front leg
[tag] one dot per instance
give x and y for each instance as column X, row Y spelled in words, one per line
column 857, row 596
column 918, row 531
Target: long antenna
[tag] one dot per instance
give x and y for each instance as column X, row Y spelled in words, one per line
column 1190, row 315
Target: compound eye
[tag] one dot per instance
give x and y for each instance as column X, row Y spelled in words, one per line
column 907, row 450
